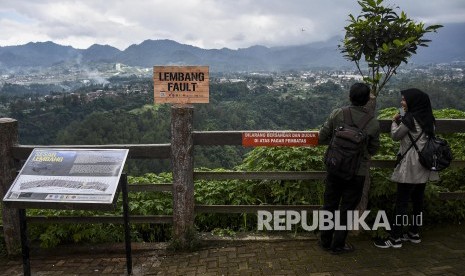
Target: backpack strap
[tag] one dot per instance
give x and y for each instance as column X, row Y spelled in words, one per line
column 349, row 121
column 414, row 142
column 347, row 116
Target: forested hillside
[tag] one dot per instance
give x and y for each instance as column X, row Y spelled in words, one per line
column 124, row 113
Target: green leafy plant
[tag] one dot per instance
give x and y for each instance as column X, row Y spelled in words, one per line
column 249, row 192
column 223, row 232
column 384, row 39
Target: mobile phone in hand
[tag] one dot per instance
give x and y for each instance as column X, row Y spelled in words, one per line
column 401, row 111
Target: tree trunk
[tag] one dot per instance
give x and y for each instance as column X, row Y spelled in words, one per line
column 362, row 206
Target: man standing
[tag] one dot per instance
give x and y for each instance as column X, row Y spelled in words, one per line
column 344, row 193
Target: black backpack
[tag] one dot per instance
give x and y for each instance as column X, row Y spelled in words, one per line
column 436, row 155
column 345, row 151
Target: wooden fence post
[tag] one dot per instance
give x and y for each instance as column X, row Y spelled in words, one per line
column 182, row 161
column 10, row 216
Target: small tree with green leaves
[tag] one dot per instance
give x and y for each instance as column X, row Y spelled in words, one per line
column 383, row 40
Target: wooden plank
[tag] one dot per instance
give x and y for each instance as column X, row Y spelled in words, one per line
column 221, row 138
column 386, row 164
column 450, row 125
column 161, row 151
column 61, row 205
column 161, row 219
column 389, row 164
column 231, row 209
column 260, row 175
column 206, row 138
column 181, row 84
column 136, row 151
column 385, row 125
column 442, row 125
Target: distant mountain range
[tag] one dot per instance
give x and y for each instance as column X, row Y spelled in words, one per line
column 448, row 45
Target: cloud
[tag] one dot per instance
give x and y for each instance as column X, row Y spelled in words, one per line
column 206, row 23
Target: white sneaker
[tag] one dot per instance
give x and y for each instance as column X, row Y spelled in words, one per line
column 390, row 242
column 415, row 238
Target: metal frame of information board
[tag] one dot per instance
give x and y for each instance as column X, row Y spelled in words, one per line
column 127, row 237
column 70, row 179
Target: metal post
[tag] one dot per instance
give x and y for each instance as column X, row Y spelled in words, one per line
column 24, row 242
column 127, row 233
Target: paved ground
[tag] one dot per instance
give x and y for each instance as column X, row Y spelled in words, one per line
column 442, row 252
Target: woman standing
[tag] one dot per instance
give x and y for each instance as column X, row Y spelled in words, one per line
column 410, row 175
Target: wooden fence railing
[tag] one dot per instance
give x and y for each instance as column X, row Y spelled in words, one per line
column 180, row 151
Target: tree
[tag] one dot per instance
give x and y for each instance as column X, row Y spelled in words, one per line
column 384, row 40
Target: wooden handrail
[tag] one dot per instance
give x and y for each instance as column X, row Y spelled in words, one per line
column 200, row 138
column 160, row 219
column 136, row 151
column 227, row 209
column 222, row 138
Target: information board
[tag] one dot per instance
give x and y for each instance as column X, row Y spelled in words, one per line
column 181, row 84
column 53, row 177
column 279, row 138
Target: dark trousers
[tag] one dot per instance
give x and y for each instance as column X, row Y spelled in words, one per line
column 340, row 195
column 405, row 193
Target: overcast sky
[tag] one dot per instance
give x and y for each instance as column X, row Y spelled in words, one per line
column 210, row 24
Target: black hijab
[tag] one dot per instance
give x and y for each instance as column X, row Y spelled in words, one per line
column 418, row 107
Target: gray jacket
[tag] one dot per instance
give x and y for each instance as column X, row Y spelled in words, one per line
column 409, row 170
